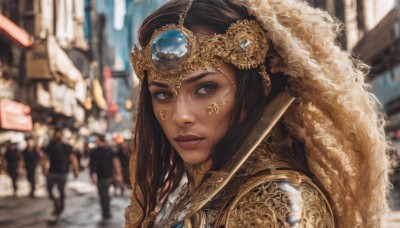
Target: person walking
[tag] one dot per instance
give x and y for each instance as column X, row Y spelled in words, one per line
column 31, row 160
column 123, row 154
column 104, row 166
column 60, row 156
column 12, row 159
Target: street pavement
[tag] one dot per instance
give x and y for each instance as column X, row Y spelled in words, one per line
column 82, row 208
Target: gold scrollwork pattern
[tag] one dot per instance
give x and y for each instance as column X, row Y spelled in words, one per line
column 185, row 202
column 245, row 45
column 280, row 203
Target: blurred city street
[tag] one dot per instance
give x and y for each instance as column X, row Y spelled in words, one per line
column 82, row 207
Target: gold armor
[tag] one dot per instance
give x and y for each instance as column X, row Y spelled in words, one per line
column 284, row 198
column 277, row 197
column 257, row 188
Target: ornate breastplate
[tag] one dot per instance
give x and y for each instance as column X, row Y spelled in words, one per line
column 264, row 193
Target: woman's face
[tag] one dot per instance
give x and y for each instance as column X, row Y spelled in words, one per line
column 195, row 116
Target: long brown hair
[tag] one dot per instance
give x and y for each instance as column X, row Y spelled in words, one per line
column 158, row 166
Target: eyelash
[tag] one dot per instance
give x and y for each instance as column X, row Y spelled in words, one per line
column 211, row 86
column 169, row 95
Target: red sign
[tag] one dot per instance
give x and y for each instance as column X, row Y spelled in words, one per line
column 14, row 31
column 108, row 87
column 15, row 116
column 108, row 84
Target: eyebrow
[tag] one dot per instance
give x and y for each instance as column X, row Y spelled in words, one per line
column 187, row 81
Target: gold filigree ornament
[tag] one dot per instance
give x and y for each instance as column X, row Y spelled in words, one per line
column 212, row 108
column 174, row 51
column 215, row 107
column 163, row 113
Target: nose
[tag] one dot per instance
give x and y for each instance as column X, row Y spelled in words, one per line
column 183, row 113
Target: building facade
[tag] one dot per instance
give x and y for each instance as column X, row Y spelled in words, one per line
column 65, row 63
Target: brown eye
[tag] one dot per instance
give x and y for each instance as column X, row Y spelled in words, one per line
column 163, row 95
column 207, row 88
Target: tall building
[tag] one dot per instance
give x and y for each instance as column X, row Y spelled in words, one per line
column 120, row 21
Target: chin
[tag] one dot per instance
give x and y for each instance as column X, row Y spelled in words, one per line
column 193, row 158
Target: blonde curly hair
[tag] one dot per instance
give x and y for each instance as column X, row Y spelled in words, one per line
column 340, row 122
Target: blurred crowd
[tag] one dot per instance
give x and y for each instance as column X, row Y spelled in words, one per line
column 106, row 157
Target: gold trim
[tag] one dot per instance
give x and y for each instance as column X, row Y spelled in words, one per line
column 294, row 177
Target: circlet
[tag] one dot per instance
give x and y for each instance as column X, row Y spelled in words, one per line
column 175, row 51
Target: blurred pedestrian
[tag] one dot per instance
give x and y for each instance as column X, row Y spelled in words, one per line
column 60, row 156
column 31, row 160
column 123, row 154
column 104, row 166
column 12, row 159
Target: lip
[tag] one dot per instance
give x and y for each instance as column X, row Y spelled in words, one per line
column 188, row 141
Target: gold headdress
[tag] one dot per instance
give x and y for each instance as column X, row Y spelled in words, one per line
column 175, row 51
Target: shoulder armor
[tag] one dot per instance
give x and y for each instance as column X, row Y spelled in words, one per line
column 283, row 199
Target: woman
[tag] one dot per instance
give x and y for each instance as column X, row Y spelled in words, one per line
column 269, row 120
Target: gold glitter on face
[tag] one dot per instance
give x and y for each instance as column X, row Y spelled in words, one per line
column 212, row 108
column 182, row 111
column 215, row 107
column 163, row 113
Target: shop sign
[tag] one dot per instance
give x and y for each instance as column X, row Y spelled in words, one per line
column 37, row 62
column 108, row 84
column 47, row 60
column 15, row 32
column 15, row 116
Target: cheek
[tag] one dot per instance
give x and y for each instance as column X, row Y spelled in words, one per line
column 221, row 121
column 162, row 113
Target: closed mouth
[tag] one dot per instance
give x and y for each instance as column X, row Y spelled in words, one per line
column 189, row 141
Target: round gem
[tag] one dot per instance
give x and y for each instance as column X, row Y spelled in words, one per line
column 169, row 50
